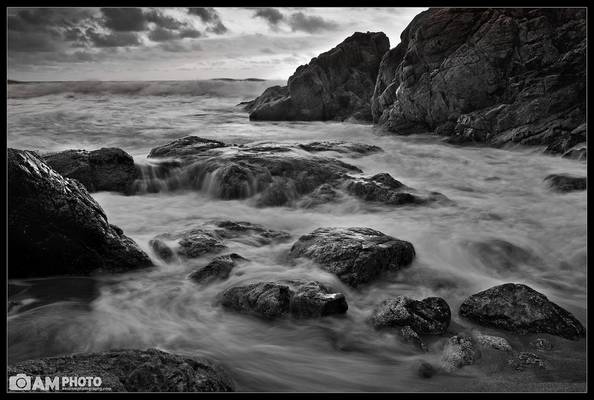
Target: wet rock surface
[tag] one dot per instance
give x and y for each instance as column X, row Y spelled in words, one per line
column 521, row 309
column 341, row 147
column 494, row 342
column 297, row 298
column 109, row 169
column 491, row 75
column 148, row 370
column 56, row 228
column 525, row 360
column 191, row 243
column 430, row 316
column 541, row 344
column 566, row 183
column 218, row 269
column 186, row 146
column 460, row 350
column 356, row 255
column 336, row 85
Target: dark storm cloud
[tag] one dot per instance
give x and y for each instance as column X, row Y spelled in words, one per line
column 163, row 35
column 114, row 39
column 310, row 24
column 272, row 15
column 125, row 19
column 209, row 16
column 163, row 21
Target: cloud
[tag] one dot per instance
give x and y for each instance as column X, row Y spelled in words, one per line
column 210, row 17
column 163, row 35
column 125, row 19
column 271, row 15
column 310, row 24
column 165, row 21
column 114, row 39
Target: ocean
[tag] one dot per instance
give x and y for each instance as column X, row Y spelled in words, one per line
column 504, row 225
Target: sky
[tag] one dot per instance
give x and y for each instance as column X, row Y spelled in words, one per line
column 48, row 44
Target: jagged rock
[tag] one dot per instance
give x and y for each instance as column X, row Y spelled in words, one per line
column 300, row 299
column 186, row 146
column 541, row 344
column 109, row 169
column 191, row 243
column 458, row 352
column 148, row 370
column 526, row 360
column 55, row 227
column 566, row 183
column 521, row 309
column 488, row 75
column 356, row 255
column 269, row 95
column 336, row 85
column 218, row 269
column 430, row 316
column 494, row 342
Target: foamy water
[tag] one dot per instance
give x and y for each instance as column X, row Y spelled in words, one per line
column 497, row 195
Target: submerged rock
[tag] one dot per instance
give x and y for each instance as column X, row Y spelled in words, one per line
column 488, row 75
column 340, row 147
column 148, row 370
column 458, row 352
column 410, row 336
column 299, row 299
column 186, row 146
column 255, row 232
column 191, row 243
column 494, row 342
column 566, row 183
column 541, row 344
column 430, row 316
column 526, row 360
column 55, row 227
column 336, row 85
column 426, row 370
column 356, row 255
column 218, row 269
column 521, row 309
column 109, row 169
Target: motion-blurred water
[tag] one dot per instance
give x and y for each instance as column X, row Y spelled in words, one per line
column 499, row 197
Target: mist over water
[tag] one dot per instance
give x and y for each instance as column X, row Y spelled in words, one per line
column 499, row 200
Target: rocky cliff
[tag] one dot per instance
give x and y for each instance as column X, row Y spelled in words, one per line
column 494, row 76
column 336, row 85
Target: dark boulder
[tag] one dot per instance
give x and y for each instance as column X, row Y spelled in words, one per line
column 430, row 316
column 106, row 169
column 269, row 95
column 336, row 85
column 566, row 183
column 55, row 227
column 382, row 188
column 148, row 370
column 218, row 269
column 299, row 299
column 355, row 255
column 521, row 309
column 488, row 75
column 186, row 146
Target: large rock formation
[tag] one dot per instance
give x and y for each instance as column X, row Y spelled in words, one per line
column 488, row 75
column 148, row 370
column 110, row 169
column 56, row 228
column 521, row 309
column 355, row 255
column 336, row 85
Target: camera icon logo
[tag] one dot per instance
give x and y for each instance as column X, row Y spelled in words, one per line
column 19, row 382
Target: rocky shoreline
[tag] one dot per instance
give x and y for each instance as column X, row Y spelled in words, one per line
column 474, row 75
